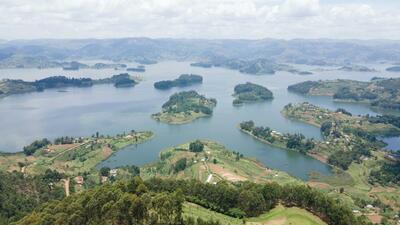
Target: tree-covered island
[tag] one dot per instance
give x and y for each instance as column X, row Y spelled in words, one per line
column 183, row 80
column 250, row 92
column 10, row 87
column 184, row 107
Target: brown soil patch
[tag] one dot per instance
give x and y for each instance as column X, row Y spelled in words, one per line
column 106, row 151
column 277, row 221
column 318, row 185
column 382, row 189
column 202, row 170
column 62, row 147
column 227, row 175
column 318, row 156
column 375, row 218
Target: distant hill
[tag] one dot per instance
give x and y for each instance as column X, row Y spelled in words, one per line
column 146, row 50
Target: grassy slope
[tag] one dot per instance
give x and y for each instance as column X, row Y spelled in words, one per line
column 178, row 118
column 201, row 165
column 277, row 216
column 188, row 115
column 354, row 181
column 196, row 211
column 60, row 156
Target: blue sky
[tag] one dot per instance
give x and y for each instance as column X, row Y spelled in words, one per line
column 251, row 19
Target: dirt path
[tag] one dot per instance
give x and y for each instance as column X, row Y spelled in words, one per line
column 66, row 186
column 67, row 150
column 209, row 178
column 225, row 174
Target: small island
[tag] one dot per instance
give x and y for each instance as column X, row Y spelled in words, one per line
column 99, row 66
column 137, row 69
column 120, row 80
column 184, row 80
column 202, row 64
column 380, row 93
column 184, row 107
column 74, row 65
column 146, row 61
column 250, row 92
column 356, row 68
column 10, row 87
column 393, row 69
column 259, row 66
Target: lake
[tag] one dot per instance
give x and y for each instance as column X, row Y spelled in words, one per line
column 108, row 110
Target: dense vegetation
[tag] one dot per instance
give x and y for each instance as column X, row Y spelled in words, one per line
column 125, row 203
column 119, row 80
column 387, row 119
column 196, row 146
column 38, row 144
column 159, row 202
column 296, row 142
column 184, row 80
column 20, row 194
column 189, row 101
column 250, row 92
column 9, row 87
column 388, row 173
column 343, row 159
column 383, row 93
column 64, row 140
column 250, row 199
column 62, row 81
column 304, row 87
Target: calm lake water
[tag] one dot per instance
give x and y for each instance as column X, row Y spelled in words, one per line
column 83, row 111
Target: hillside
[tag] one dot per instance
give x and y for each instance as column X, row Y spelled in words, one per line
column 363, row 173
column 20, row 193
column 160, row 202
column 313, row 52
column 211, row 162
column 381, row 93
column 68, row 155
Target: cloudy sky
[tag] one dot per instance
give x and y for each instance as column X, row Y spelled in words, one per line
column 250, row 19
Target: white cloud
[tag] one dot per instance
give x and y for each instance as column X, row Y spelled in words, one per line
column 300, row 8
column 196, row 19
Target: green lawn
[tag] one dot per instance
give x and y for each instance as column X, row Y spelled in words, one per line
column 286, row 216
column 196, row 211
column 277, row 216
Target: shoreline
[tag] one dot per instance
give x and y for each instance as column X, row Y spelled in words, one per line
column 175, row 120
column 312, row 155
column 96, row 156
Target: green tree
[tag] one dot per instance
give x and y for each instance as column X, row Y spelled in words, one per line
column 196, row 146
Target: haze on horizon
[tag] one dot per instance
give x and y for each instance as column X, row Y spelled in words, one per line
column 211, row 19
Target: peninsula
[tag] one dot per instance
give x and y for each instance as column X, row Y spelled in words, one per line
column 381, row 93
